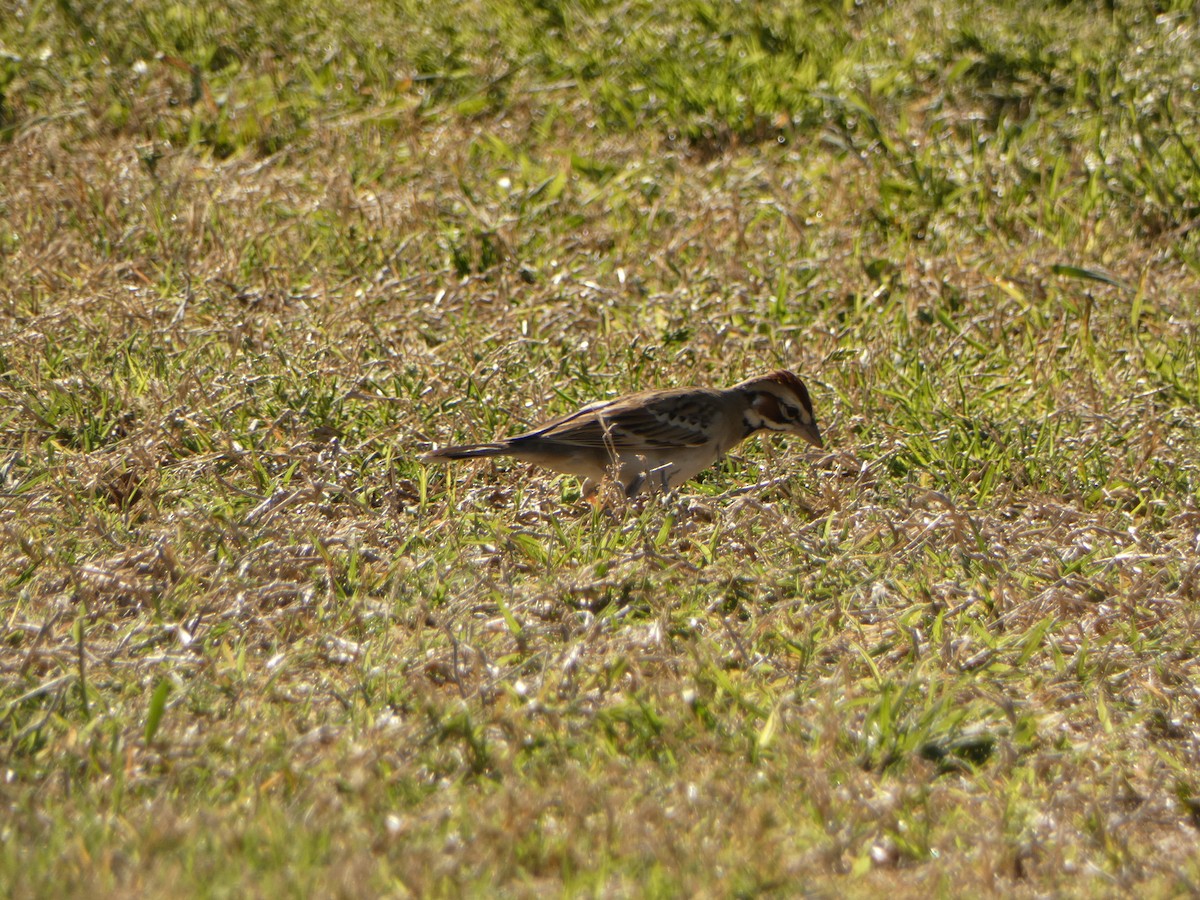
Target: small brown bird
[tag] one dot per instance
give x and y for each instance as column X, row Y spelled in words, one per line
column 656, row 440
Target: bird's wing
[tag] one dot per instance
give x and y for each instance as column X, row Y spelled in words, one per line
column 656, row 420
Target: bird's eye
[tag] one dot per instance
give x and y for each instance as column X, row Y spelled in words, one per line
column 790, row 411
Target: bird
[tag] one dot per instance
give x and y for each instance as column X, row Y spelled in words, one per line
column 656, row 440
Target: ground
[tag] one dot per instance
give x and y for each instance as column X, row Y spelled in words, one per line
column 255, row 259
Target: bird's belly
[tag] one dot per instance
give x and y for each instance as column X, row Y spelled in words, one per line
column 582, row 465
column 667, row 470
column 650, row 470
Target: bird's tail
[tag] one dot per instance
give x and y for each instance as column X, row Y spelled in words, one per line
column 466, row 451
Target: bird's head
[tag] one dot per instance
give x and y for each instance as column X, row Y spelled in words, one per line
column 779, row 402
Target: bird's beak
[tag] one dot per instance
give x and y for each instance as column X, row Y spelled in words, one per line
column 811, row 433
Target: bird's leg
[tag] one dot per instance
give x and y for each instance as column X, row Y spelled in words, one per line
column 596, row 493
column 635, row 485
column 601, row 495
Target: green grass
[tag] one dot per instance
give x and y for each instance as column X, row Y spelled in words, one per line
column 255, row 258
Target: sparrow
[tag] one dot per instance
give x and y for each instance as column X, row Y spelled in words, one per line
column 656, row 440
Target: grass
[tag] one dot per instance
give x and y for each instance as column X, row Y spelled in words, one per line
column 256, row 257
